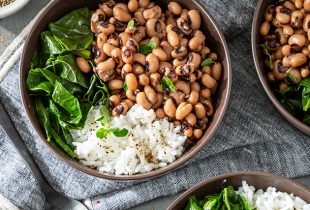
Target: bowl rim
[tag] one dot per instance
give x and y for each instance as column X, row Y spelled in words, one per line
column 235, row 174
column 12, row 8
column 156, row 172
column 262, row 77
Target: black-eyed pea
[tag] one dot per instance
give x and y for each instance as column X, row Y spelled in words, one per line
column 283, row 86
column 306, row 5
column 170, row 108
column 288, row 30
column 107, row 48
column 175, row 8
column 264, row 28
column 107, row 8
column 286, row 50
column 167, row 48
column 152, row 63
column 179, row 51
column 297, row 39
column 156, row 40
column 143, row 79
column 133, row 45
column 158, row 88
column 101, row 40
column 305, row 51
column 124, row 37
column 280, row 35
column 296, row 19
column 137, row 69
column 133, row 5
column 160, row 54
column 155, row 79
column 213, row 56
column 268, row 16
column 205, row 93
column 120, row 109
column 127, row 54
column 297, row 59
column 160, row 113
column 160, row 100
column 105, row 27
column 121, row 12
column 305, row 72
column 116, row 54
column 196, row 41
column 106, row 65
column 143, row 3
column 198, row 133
column 195, row 86
column 184, row 25
column 193, row 97
column 191, row 78
column 185, row 70
column 114, row 100
column 206, row 70
column 286, row 62
column 216, row 71
column 204, row 52
column 278, row 70
column 150, row 94
column 283, row 17
column 156, row 27
column 131, row 81
column 173, row 38
column 200, row 110
column 139, row 58
column 299, row 4
column 115, row 84
column 183, row 87
column 208, row 81
column 271, row 77
column 100, row 56
column 179, row 61
column 83, row 65
column 129, row 103
column 188, row 132
column 209, row 107
column 195, row 18
column 194, row 59
column 177, row 97
column 142, row 100
column 139, row 16
column 183, row 110
column 127, row 68
column 153, row 12
column 131, row 95
column 191, row 119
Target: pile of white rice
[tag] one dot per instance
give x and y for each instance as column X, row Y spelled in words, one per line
column 151, row 143
column 271, row 199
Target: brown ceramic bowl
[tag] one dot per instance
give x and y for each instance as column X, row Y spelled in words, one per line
column 215, row 41
column 257, row 179
column 260, row 67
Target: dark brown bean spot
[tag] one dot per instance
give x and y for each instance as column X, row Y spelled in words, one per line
column 119, row 109
column 285, row 10
column 101, row 17
column 127, row 53
column 104, row 24
column 158, row 27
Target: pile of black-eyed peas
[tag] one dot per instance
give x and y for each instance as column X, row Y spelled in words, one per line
column 153, row 58
column 286, row 36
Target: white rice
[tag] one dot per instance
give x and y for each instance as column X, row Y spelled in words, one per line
column 151, row 143
column 271, row 199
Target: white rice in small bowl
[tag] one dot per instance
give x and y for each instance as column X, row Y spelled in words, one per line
column 271, row 199
column 150, row 143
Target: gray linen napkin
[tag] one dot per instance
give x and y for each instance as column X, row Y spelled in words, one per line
column 252, row 136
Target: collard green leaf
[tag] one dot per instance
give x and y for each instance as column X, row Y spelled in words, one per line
column 37, row 84
column 211, row 202
column 44, row 118
column 305, row 82
column 245, row 203
column 97, row 91
column 66, row 67
column 82, row 53
column 193, row 204
column 207, row 62
column 68, row 102
column 73, row 29
column 305, row 99
column 306, row 119
column 50, row 45
column 58, row 139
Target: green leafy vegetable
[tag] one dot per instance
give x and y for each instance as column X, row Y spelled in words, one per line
column 66, row 67
column 82, row 53
column 102, row 132
column 167, row 83
column 44, row 118
column 207, row 62
column 73, row 30
column 266, row 53
column 228, row 199
column 147, row 49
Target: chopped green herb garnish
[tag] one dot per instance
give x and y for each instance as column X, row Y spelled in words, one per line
column 207, row 62
column 147, row 49
column 290, row 78
column 125, row 87
column 167, row 83
column 102, row 132
column 131, row 23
